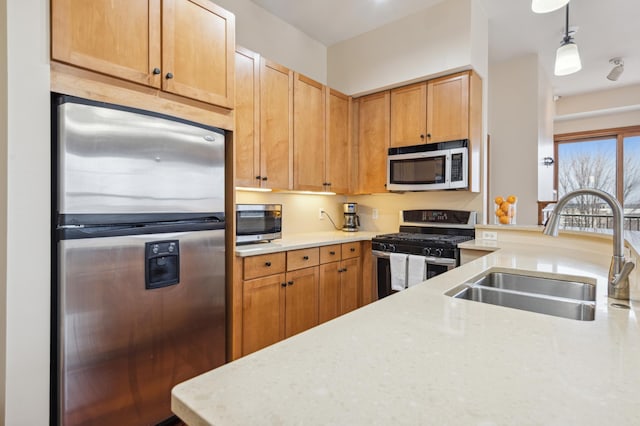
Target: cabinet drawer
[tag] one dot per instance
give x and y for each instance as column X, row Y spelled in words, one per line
column 298, row 259
column 330, row 253
column 350, row 250
column 263, row 265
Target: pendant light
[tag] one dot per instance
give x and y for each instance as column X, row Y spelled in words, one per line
column 567, row 56
column 544, row 6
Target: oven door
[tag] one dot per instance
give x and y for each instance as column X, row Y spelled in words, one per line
column 382, row 270
column 418, row 171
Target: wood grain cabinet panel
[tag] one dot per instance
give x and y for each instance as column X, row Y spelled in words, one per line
column 308, row 134
column 263, row 312
column 338, row 143
column 276, row 125
column 301, row 300
column 247, row 119
column 373, row 142
column 115, row 37
column 448, row 108
column 303, row 258
column 184, row 47
column 409, row 115
column 263, row 265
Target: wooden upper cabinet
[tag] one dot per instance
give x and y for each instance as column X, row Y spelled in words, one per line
column 409, row 115
column 116, row 37
column 338, row 146
column 198, row 43
column 373, row 142
column 276, row 125
column 247, row 115
column 308, row 134
column 180, row 46
column 448, row 108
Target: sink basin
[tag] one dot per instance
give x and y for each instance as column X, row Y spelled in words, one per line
column 571, row 299
column 538, row 285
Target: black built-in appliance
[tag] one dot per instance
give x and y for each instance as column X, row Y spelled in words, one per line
column 434, row 234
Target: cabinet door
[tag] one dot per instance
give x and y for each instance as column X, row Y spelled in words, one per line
column 338, row 152
column 373, row 142
column 115, row 37
column 247, row 116
column 349, row 285
column 301, row 303
column 308, row 134
column 329, row 298
column 276, row 126
column 198, row 44
column 448, row 108
column 409, row 115
column 263, row 312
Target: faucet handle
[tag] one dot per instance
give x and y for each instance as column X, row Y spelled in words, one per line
column 624, row 273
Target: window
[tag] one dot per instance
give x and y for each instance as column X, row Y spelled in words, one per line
column 608, row 160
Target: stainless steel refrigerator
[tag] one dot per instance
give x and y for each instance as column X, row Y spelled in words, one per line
column 139, row 282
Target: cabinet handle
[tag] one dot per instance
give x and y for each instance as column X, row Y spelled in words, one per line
column 305, row 257
column 421, row 136
column 352, row 249
column 344, row 269
column 332, row 253
column 283, row 284
column 328, row 183
column 339, row 270
column 290, row 282
column 258, row 177
column 264, row 178
column 156, row 71
column 428, row 135
column 267, row 264
column 169, row 76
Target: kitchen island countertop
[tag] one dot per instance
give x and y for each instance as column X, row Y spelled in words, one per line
column 421, row 357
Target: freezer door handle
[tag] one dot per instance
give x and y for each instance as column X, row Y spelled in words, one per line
column 162, row 264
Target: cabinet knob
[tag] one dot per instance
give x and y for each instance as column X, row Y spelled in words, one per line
column 344, row 269
column 428, row 135
column 421, row 136
column 352, row 249
column 283, row 284
column 258, row 177
column 305, row 257
column 290, row 282
column 156, row 71
column 332, row 253
column 169, row 76
column 267, row 264
column 264, row 178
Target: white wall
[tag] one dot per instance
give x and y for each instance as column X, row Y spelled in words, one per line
column 433, row 42
column 264, row 33
column 513, row 126
column 603, row 109
column 26, row 308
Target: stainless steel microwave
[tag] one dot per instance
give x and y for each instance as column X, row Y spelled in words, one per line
column 429, row 167
column 258, row 222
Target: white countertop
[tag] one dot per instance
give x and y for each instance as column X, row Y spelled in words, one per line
column 421, row 357
column 300, row 241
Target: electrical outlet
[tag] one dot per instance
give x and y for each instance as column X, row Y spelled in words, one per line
column 321, row 214
column 374, row 214
column 489, row 235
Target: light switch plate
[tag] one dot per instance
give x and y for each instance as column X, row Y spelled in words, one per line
column 320, row 214
column 374, row 214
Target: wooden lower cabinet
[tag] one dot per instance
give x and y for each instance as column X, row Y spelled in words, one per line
column 281, row 294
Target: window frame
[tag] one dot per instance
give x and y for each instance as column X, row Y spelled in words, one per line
column 618, row 133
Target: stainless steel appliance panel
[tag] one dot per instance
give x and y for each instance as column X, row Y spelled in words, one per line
column 119, row 161
column 123, row 347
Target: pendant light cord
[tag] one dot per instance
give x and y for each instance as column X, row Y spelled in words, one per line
column 567, row 39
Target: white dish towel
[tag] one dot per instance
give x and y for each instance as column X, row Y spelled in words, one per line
column 398, row 263
column 417, row 270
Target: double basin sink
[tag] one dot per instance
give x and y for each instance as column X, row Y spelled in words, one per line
column 568, row 298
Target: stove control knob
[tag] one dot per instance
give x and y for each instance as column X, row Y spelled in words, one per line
column 383, row 246
column 426, row 251
column 392, row 247
column 439, row 252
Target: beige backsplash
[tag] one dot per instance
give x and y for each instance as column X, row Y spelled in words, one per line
column 300, row 211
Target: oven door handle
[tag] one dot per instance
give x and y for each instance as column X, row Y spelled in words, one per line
column 429, row 259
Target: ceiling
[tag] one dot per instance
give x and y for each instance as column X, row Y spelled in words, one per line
column 606, row 29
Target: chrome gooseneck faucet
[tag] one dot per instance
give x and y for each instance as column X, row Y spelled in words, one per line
column 620, row 268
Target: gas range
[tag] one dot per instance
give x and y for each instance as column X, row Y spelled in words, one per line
column 433, row 233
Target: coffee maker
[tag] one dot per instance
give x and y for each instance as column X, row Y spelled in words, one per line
column 351, row 219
